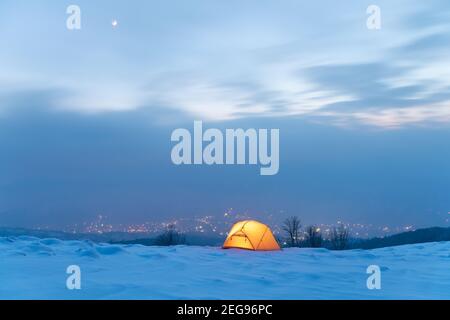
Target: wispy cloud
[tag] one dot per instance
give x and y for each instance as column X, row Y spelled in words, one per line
column 393, row 118
column 263, row 60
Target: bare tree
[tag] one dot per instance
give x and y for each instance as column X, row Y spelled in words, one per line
column 291, row 227
column 313, row 237
column 170, row 237
column 339, row 237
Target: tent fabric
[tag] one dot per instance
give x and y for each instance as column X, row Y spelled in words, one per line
column 251, row 235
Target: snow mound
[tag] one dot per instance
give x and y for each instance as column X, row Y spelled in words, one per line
column 110, row 249
column 32, row 268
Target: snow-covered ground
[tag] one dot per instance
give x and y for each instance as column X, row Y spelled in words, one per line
column 36, row 268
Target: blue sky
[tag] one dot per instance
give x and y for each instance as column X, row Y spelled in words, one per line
column 86, row 116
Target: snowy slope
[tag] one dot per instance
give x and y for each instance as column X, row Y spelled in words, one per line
column 35, row 268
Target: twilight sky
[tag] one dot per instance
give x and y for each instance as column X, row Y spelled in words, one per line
column 86, row 115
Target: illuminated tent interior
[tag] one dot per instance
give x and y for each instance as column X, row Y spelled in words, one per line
column 251, row 235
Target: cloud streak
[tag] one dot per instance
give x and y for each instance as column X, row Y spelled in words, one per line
column 220, row 66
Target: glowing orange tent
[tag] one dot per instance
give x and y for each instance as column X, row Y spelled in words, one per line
column 251, row 235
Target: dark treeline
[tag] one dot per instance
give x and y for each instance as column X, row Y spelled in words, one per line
column 312, row 236
column 339, row 238
column 434, row 234
column 293, row 235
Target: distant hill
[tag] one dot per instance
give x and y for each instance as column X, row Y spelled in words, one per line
column 433, row 234
column 110, row 237
column 192, row 239
column 97, row 237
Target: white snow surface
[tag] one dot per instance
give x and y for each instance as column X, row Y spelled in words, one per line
column 32, row 268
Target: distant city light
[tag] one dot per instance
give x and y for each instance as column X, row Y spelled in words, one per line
column 219, row 225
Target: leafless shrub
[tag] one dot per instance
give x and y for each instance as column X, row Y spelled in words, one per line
column 339, row 237
column 313, row 237
column 170, row 237
column 291, row 227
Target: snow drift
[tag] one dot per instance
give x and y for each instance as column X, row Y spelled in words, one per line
column 32, row 268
